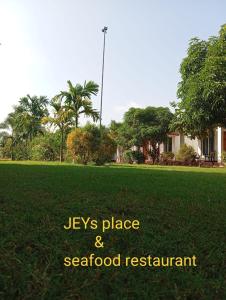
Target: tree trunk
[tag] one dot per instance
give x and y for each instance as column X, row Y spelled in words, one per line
column 12, row 157
column 61, row 146
column 12, row 153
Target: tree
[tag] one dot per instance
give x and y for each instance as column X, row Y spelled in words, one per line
column 62, row 118
column 202, row 90
column 25, row 121
column 78, row 100
column 31, row 111
column 5, row 144
column 141, row 126
column 12, row 133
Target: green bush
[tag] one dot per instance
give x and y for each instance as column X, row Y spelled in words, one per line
column 224, row 156
column 42, row 152
column 128, row 156
column 18, row 151
column 186, row 153
column 21, row 151
column 45, row 147
column 6, row 149
column 136, row 156
column 68, row 157
column 167, row 156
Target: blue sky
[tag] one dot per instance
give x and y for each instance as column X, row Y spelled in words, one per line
column 47, row 42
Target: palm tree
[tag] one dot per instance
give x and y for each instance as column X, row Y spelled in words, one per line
column 12, row 130
column 78, row 100
column 31, row 111
column 62, row 118
column 4, row 137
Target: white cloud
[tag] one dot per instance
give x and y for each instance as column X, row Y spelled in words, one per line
column 123, row 108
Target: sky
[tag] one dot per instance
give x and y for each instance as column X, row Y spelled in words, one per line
column 44, row 43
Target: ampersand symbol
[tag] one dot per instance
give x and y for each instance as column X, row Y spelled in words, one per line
column 98, row 243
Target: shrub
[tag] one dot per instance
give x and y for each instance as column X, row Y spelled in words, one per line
column 42, row 152
column 21, row 151
column 106, row 150
column 186, row 153
column 68, row 157
column 128, row 156
column 89, row 144
column 6, row 149
column 224, row 156
column 79, row 143
column 154, row 153
column 136, row 156
column 45, row 147
column 167, row 156
column 13, row 150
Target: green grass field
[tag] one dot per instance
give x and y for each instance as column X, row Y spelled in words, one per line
column 182, row 212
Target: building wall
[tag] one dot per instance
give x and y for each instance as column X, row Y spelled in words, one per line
column 176, row 142
column 161, row 147
column 191, row 142
column 179, row 140
column 215, row 140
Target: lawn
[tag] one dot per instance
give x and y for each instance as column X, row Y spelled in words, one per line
column 182, row 211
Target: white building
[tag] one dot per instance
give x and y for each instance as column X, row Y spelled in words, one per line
column 209, row 148
column 212, row 146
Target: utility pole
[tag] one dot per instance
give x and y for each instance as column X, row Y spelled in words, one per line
column 104, row 30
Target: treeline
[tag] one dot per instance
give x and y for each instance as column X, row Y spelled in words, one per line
column 43, row 129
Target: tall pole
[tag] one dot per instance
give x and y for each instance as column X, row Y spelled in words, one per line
column 104, row 30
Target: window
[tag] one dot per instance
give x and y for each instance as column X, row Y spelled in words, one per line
column 168, row 145
column 211, row 141
column 208, row 144
column 181, row 139
column 205, row 146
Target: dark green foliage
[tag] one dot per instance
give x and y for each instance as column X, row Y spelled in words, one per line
column 21, row 151
column 138, row 157
column 45, row 147
column 202, row 90
column 130, row 157
column 140, row 126
column 5, row 145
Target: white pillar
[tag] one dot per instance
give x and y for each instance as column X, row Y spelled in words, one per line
column 199, row 147
column 219, row 144
column 173, row 144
